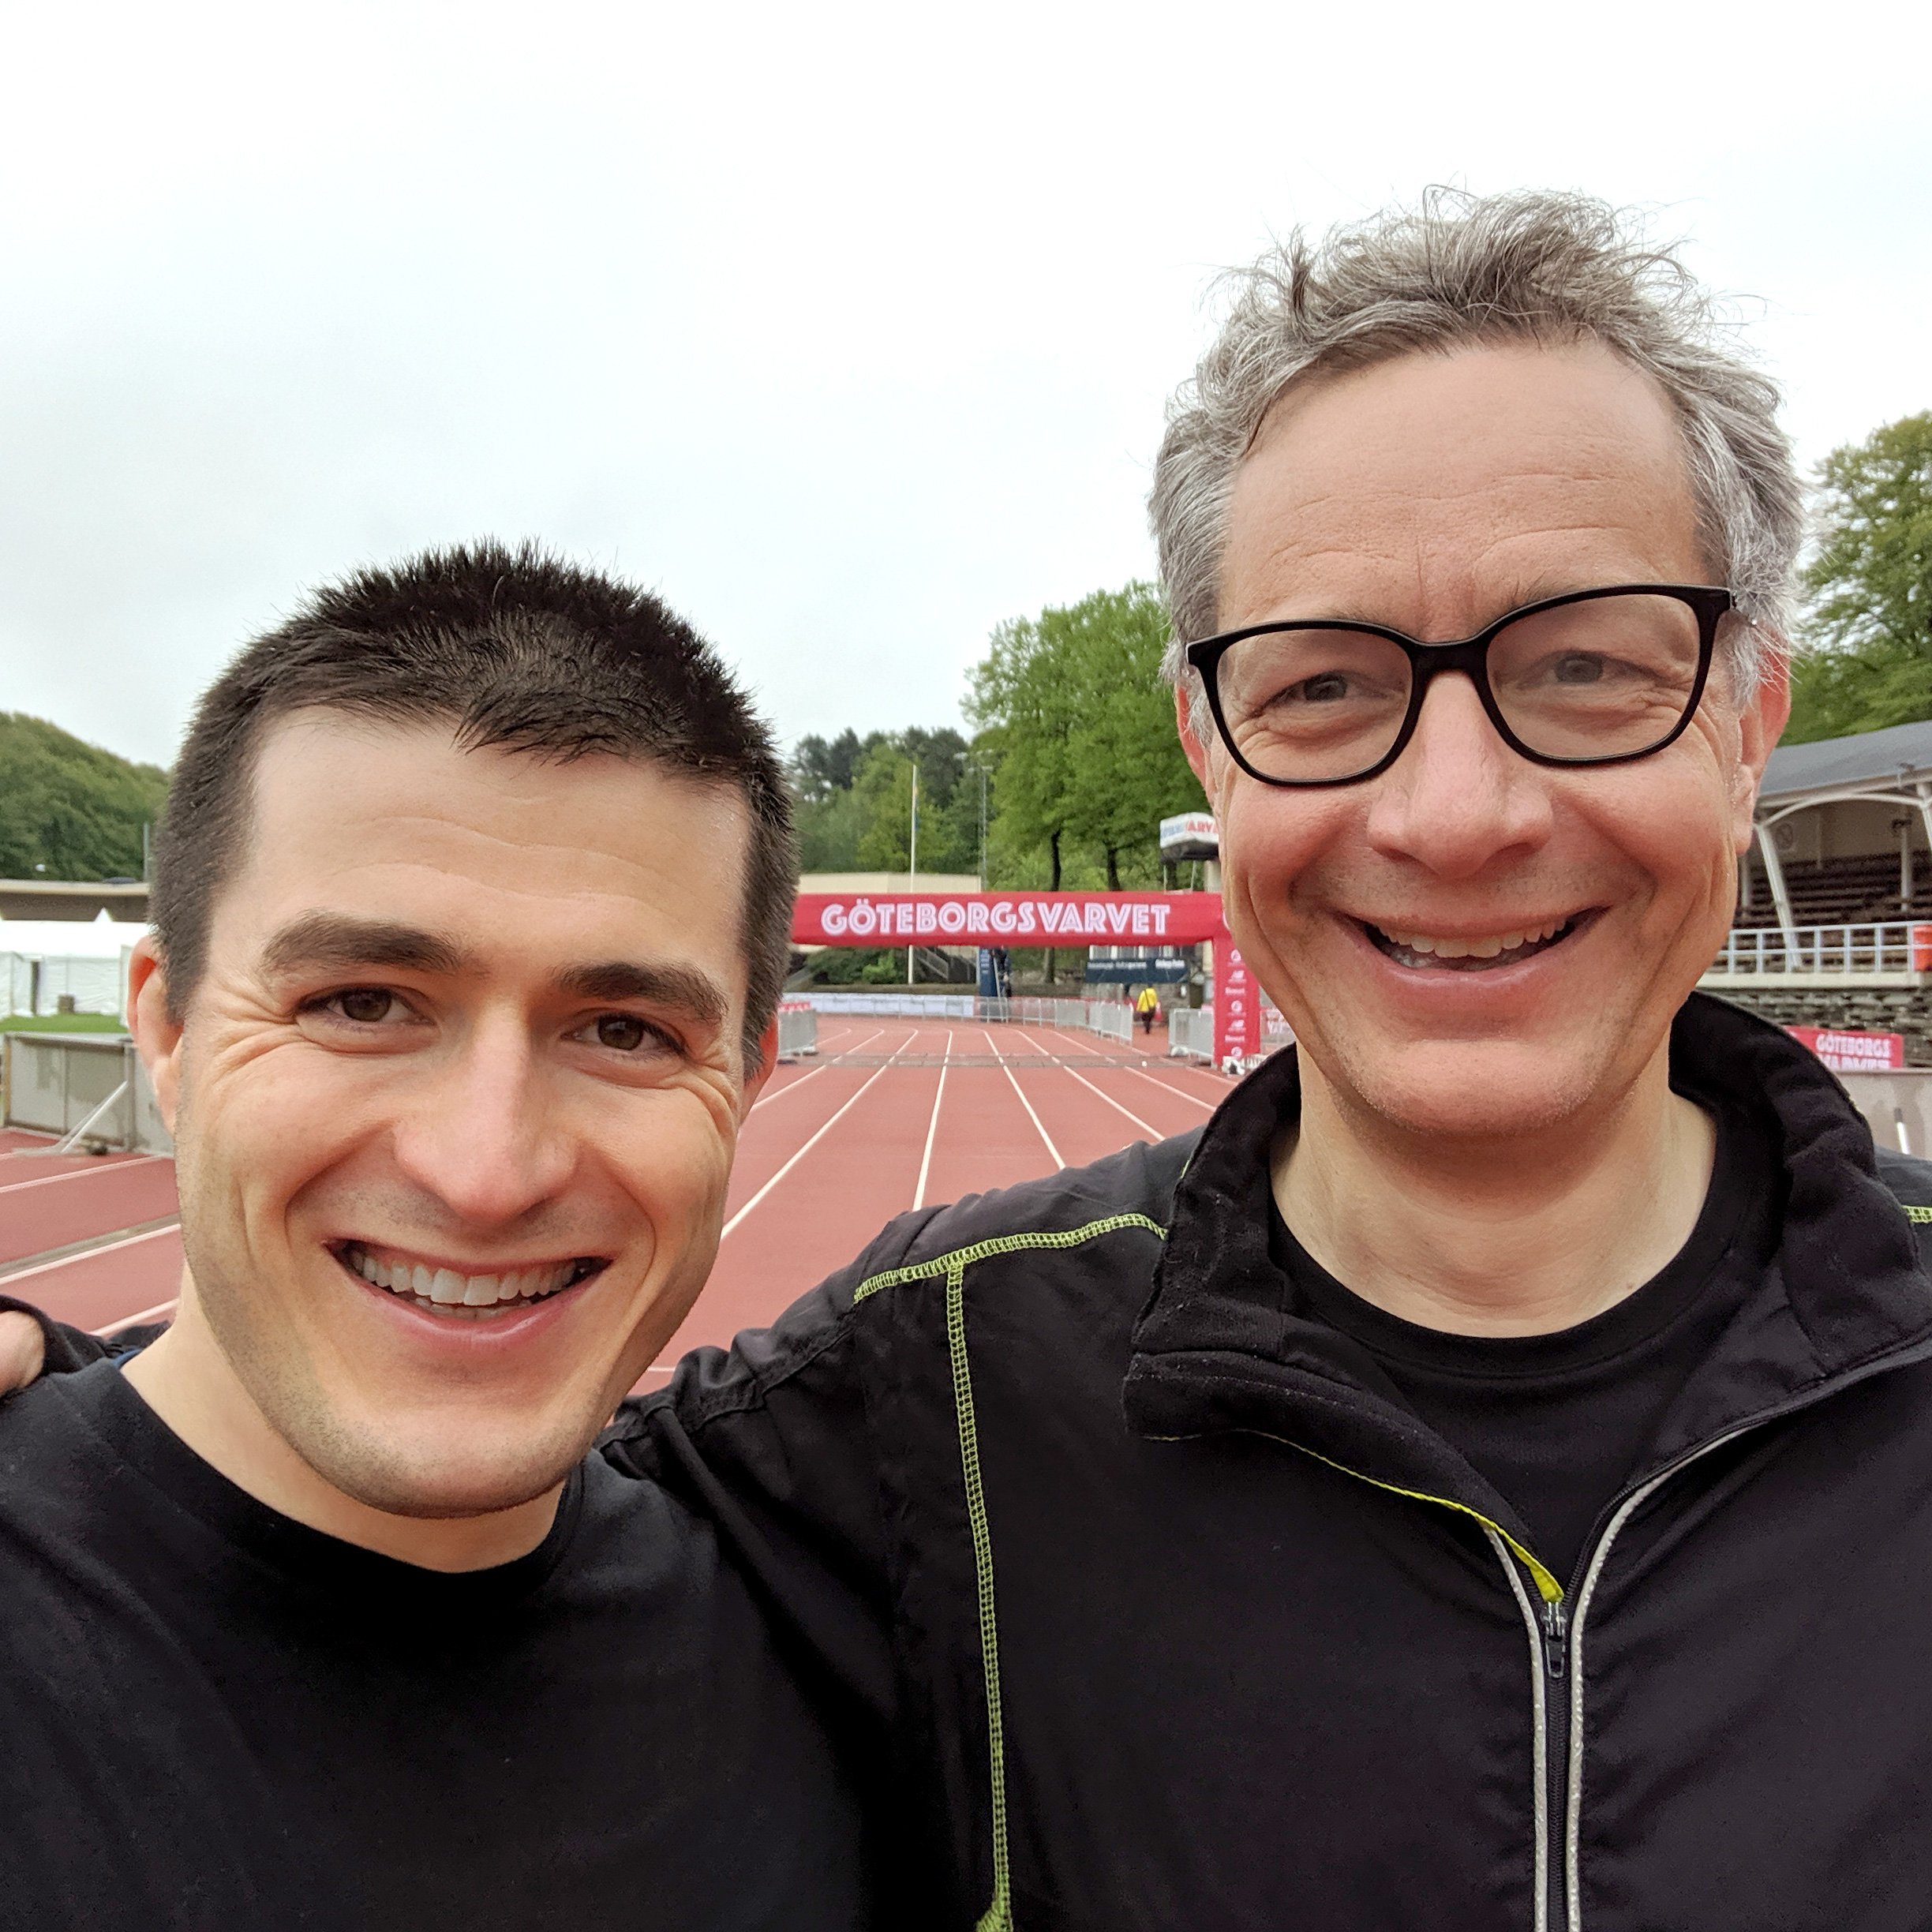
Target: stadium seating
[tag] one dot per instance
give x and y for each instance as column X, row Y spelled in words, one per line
column 1858, row 891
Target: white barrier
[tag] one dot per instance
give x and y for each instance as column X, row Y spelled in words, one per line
column 1190, row 1033
column 890, row 1005
column 1108, row 1019
column 797, row 1030
column 90, row 1085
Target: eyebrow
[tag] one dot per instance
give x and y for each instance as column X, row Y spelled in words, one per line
column 682, row 988
column 337, row 942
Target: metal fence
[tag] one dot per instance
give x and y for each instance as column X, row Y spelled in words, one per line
column 1190, row 1033
column 1895, row 949
column 1110, row 1019
column 88, row 1088
column 798, row 1032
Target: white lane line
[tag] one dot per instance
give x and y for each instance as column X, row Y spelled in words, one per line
column 86, row 1254
column 146, row 1315
column 791, row 1086
column 813, row 1141
column 1153, row 1132
column 1180, row 1093
column 1023, row 1101
column 932, row 1126
column 81, row 1173
column 773, row 1093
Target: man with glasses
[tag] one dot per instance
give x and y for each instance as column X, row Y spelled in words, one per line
column 1481, row 1479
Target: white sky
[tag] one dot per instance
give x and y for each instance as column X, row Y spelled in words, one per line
column 847, row 328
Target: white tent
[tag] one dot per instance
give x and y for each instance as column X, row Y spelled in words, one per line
column 41, row 959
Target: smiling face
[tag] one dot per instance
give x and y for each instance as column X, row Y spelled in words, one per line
column 456, row 1098
column 1469, row 944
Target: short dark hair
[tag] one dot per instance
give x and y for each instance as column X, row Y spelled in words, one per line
column 511, row 648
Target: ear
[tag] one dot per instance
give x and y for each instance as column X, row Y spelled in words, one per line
column 1761, row 723
column 157, row 1034
column 756, row 1076
column 1200, row 756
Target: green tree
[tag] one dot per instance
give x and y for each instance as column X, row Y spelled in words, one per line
column 68, row 810
column 852, row 801
column 1868, row 592
column 1080, row 730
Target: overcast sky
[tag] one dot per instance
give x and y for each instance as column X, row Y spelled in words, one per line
column 848, row 329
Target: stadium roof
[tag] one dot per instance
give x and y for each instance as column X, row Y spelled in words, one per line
column 1878, row 757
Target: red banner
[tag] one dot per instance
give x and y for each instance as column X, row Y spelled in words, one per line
column 1005, row 919
column 1853, row 1053
column 1236, row 1004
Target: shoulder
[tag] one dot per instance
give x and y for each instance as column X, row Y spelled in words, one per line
column 1060, row 1241
column 1130, row 1193
column 1910, row 1181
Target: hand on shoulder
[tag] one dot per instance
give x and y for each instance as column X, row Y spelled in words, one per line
column 22, row 1351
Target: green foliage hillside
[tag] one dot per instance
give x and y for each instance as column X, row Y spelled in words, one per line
column 1868, row 607
column 69, row 808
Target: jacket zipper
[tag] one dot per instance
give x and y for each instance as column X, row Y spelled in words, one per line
column 1555, row 1639
column 1566, row 1713
column 1561, row 1629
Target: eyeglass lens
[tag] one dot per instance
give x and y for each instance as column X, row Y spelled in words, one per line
column 1608, row 678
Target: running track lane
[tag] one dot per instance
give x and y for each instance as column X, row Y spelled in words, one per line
column 43, row 1208
column 795, row 1219
column 106, row 1284
column 808, row 1205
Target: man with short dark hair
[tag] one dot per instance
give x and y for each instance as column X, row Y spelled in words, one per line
column 472, row 906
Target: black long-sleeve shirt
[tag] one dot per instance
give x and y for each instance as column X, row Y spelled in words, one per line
column 213, row 1716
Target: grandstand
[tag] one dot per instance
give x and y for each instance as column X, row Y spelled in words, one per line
column 1836, row 889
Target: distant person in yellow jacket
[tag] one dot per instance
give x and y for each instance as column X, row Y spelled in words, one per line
column 1146, row 1006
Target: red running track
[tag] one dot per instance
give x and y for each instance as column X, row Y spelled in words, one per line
column 832, row 1150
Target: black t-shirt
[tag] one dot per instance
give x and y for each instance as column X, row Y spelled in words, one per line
column 1558, row 1423
column 213, row 1716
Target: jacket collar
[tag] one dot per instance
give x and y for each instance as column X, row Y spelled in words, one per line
column 1220, row 1346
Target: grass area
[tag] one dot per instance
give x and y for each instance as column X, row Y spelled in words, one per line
column 60, row 1022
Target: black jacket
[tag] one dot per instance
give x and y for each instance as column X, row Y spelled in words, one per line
column 1161, row 1617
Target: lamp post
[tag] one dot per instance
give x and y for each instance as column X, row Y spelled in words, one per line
column 912, row 866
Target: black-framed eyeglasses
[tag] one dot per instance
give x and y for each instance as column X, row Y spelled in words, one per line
column 1596, row 677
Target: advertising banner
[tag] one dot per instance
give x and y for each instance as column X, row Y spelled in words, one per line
column 1853, row 1053
column 1004, row 918
column 1237, row 1006
column 1135, row 971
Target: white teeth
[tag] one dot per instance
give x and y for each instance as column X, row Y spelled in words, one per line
column 468, row 1297
column 1427, row 945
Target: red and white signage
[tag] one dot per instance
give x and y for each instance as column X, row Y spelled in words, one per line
column 1853, row 1053
column 1237, row 1006
column 1012, row 919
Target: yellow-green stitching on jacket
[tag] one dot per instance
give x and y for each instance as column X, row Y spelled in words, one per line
column 963, row 1258
column 1914, row 1212
column 998, row 1914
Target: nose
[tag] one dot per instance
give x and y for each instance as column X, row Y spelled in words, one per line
column 1459, row 798
column 482, row 1134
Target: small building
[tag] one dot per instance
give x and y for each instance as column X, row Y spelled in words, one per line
column 72, row 898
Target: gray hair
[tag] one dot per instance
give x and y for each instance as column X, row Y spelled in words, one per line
column 1461, row 269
